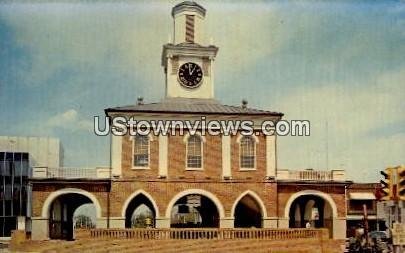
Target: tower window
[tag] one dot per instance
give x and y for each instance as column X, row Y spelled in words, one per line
column 141, row 151
column 194, row 152
column 190, row 28
column 247, row 152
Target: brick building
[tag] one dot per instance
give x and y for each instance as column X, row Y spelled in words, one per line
column 191, row 180
column 358, row 196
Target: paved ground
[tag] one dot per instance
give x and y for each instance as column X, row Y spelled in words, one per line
column 176, row 246
column 4, row 248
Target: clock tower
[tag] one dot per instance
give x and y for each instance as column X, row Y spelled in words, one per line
column 188, row 60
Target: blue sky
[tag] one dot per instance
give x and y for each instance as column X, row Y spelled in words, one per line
column 339, row 64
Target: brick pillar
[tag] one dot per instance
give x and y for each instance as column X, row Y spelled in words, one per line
column 339, row 228
column 21, row 223
column 226, row 222
column 101, row 222
column 270, row 222
column 39, row 228
column 226, row 156
column 117, row 222
column 163, row 151
column 162, row 222
column 271, row 156
column 283, row 222
column 116, row 151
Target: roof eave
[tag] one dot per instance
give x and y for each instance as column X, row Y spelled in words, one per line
column 112, row 110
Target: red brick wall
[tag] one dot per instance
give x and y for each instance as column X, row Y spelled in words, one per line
column 41, row 191
column 127, row 159
column 337, row 193
column 162, row 192
column 260, row 172
column 212, row 159
column 356, row 207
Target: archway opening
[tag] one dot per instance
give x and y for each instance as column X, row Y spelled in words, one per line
column 194, row 211
column 248, row 213
column 140, row 213
column 62, row 215
column 311, row 211
column 84, row 217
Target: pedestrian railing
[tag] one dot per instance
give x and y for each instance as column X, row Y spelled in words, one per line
column 208, row 233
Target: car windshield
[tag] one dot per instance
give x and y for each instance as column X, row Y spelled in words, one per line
column 378, row 234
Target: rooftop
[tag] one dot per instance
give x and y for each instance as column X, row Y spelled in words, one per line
column 192, row 106
column 187, row 6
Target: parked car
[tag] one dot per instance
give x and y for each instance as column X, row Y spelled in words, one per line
column 378, row 235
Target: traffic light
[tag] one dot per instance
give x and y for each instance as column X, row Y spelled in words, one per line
column 386, row 184
column 401, row 182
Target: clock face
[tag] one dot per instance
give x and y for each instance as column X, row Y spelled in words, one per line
column 190, row 75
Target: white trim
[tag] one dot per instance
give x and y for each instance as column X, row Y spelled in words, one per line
column 226, row 156
column 240, row 136
column 323, row 195
column 140, row 168
column 248, row 169
column 135, row 194
column 256, row 140
column 255, row 197
column 193, row 169
column 185, row 140
column 361, row 196
column 54, row 195
column 150, row 135
column 187, row 135
column 116, row 154
column 150, row 139
column 352, row 217
column 204, row 193
column 271, row 170
column 163, row 155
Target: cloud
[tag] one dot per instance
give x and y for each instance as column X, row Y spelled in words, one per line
column 339, row 63
column 248, row 36
column 69, row 120
column 352, row 123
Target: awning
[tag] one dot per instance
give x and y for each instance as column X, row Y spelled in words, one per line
column 361, row 196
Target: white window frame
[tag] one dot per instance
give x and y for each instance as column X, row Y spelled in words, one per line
column 150, row 139
column 256, row 141
column 185, row 140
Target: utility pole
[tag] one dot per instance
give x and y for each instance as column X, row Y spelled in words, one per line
column 366, row 225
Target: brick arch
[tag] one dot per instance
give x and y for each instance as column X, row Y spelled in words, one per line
column 204, row 193
column 54, row 195
column 323, row 195
column 133, row 195
column 255, row 197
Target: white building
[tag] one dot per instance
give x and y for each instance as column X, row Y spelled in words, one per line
column 18, row 155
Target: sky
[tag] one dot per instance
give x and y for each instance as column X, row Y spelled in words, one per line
column 339, row 64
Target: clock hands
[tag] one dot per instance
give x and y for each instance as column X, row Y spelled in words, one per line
column 187, row 77
column 191, row 72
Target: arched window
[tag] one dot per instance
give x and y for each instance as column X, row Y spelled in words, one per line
column 194, row 152
column 247, row 152
column 141, row 151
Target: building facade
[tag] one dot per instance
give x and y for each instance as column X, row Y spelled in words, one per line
column 191, row 179
column 361, row 201
column 17, row 156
